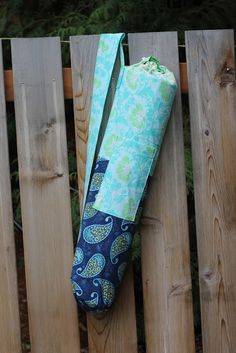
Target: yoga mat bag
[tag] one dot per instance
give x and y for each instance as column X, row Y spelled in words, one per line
column 118, row 172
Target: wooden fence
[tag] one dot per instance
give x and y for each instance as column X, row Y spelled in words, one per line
column 45, row 201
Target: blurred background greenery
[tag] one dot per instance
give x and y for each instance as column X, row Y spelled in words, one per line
column 30, row 18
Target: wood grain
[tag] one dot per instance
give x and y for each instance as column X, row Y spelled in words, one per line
column 83, row 58
column 9, row 311
column 45, row 196
column 212, row 97
column 115, row 331
column 164, row 231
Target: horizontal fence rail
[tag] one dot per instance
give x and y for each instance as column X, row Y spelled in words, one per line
column 38, row 86
column 67, row 80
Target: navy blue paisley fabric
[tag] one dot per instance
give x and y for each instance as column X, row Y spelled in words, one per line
column 102, row 251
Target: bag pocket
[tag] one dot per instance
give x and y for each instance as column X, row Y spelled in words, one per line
column 125, row 179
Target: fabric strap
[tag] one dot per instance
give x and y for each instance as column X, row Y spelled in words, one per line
column 108, row 47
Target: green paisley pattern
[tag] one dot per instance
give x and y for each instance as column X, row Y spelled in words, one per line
column 103, row 45
column 79, row 256
column 97, row 232
column 125, row 224
column 133, row 137
column 96, row 181
column 131, row 80
column 89, row 210
column 123, row 169
column 119, row 245
column 111, row 142
column 94, row 266
column 121, row 270
column 97, row 83
column 165, row 91
column 108, row 44
column 137, row 117
column 108, row 290
column 92, row 303
column 77, row 289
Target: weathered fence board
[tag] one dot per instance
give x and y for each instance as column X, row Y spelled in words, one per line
column 9, row 310
column 83, row 51
column 45, row 196
column 212, row 96
column 164, row 230
column 115, row 331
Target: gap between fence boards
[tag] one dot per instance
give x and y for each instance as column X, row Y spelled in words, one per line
column 67, row 79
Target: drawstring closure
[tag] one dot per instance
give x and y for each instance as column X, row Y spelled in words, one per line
column 151, row 65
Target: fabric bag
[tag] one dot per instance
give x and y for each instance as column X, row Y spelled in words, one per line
column 117, row 174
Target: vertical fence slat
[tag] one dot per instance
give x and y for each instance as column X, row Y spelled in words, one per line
column 45, row 196
column 212, row 96
column 114, row 332
column 83, row 57
column 165, row 245
column 9, row 309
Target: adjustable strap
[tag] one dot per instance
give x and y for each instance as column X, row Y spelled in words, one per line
column 108, row 47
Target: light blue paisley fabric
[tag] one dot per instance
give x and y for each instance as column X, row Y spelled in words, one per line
column 106, row 55
column 133, row 136
column 117, row 179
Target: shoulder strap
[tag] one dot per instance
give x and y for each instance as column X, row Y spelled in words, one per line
column 108, row 47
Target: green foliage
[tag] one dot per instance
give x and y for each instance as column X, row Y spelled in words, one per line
column 35, row 18
column 75, row 211
column 14, row 165
column 136, row 247
column 188, row 169
column 187, row 148
column 16, row 194
column 58, row 17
